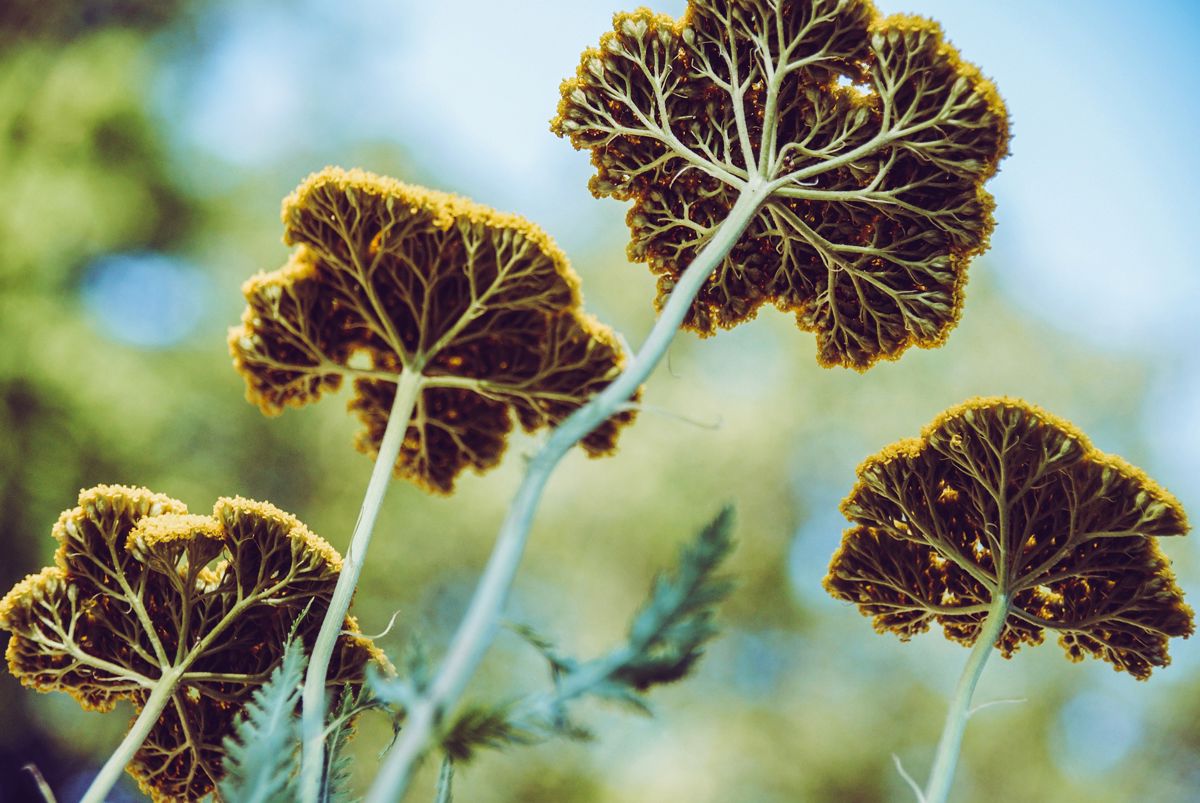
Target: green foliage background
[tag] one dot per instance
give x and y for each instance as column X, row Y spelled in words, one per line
column 798, row 700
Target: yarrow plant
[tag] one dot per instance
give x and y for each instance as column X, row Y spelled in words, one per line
column 1000, row 522
column 811, row 155
column 451, row 317
column 184, row 615
column 840, row 155
column 756, row 176
column 475, row 315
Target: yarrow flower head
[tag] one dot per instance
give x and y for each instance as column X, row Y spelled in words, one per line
column 872, row 135
column 389, row 278
column 142, row 589
column 1000, row 497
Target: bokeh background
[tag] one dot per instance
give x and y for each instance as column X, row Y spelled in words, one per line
column 144, row 149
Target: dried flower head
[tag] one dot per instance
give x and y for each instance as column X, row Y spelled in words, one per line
column 1000, row 497
column 874, row 136
column 140, row 590
column 389, row 277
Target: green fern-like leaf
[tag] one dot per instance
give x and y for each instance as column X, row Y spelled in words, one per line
column 668, row 634
column 262, row 758
column 336, row 788
column 666, row 640
column 483, row 726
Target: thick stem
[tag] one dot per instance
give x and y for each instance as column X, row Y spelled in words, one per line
column 112, row 770
column 408, row 387
column 950, row 745
column 478, row 627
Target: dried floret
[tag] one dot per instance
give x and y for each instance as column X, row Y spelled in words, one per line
column 142, row 590
column 998, row 497
column 872, row 135
column 387, row 277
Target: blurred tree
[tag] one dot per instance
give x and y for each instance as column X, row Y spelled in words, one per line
column 798, row 701
column 84, row 174
column 61, row 20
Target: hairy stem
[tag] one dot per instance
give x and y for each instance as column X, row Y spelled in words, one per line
column 408, row 387
column 114, row 768
column 950, row 745
column 479, row 625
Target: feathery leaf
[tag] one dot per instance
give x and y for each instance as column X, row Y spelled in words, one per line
column 261, row 758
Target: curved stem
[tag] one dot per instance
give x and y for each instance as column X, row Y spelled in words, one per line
column 112, row 770
column 950, row 745
column 478, row 627
column 408, row 387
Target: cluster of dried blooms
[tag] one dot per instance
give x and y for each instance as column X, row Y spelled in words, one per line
column 872, row 135
column 1001, row 498
column 388, row 277
column 866, row 142
column 141, row 589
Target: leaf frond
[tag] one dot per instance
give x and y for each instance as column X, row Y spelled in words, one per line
column 262, row 755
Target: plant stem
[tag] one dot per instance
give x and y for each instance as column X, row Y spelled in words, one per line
column 40, row 781
column 110, row 773
column 950, row 745
column 576, row 684
column 479, row 625
column 408, row 387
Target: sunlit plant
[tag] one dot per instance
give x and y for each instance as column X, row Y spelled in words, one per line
column 999, row 523
column 451, row 317
column 183, row 615
column 810, row 154
column 805, row 154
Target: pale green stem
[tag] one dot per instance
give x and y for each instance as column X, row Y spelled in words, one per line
column 408, row 388
column 114, row 768
column 950, row 745
column 479, row 625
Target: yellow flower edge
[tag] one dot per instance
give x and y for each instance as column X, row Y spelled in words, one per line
column 444, row 209
column 914, row 447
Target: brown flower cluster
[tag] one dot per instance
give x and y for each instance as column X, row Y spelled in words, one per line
column 388, row 277
column 140, row 588
column 873, row 136
column 1000, row 497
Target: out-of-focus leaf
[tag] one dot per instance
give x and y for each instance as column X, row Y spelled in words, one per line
column 483, row 726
